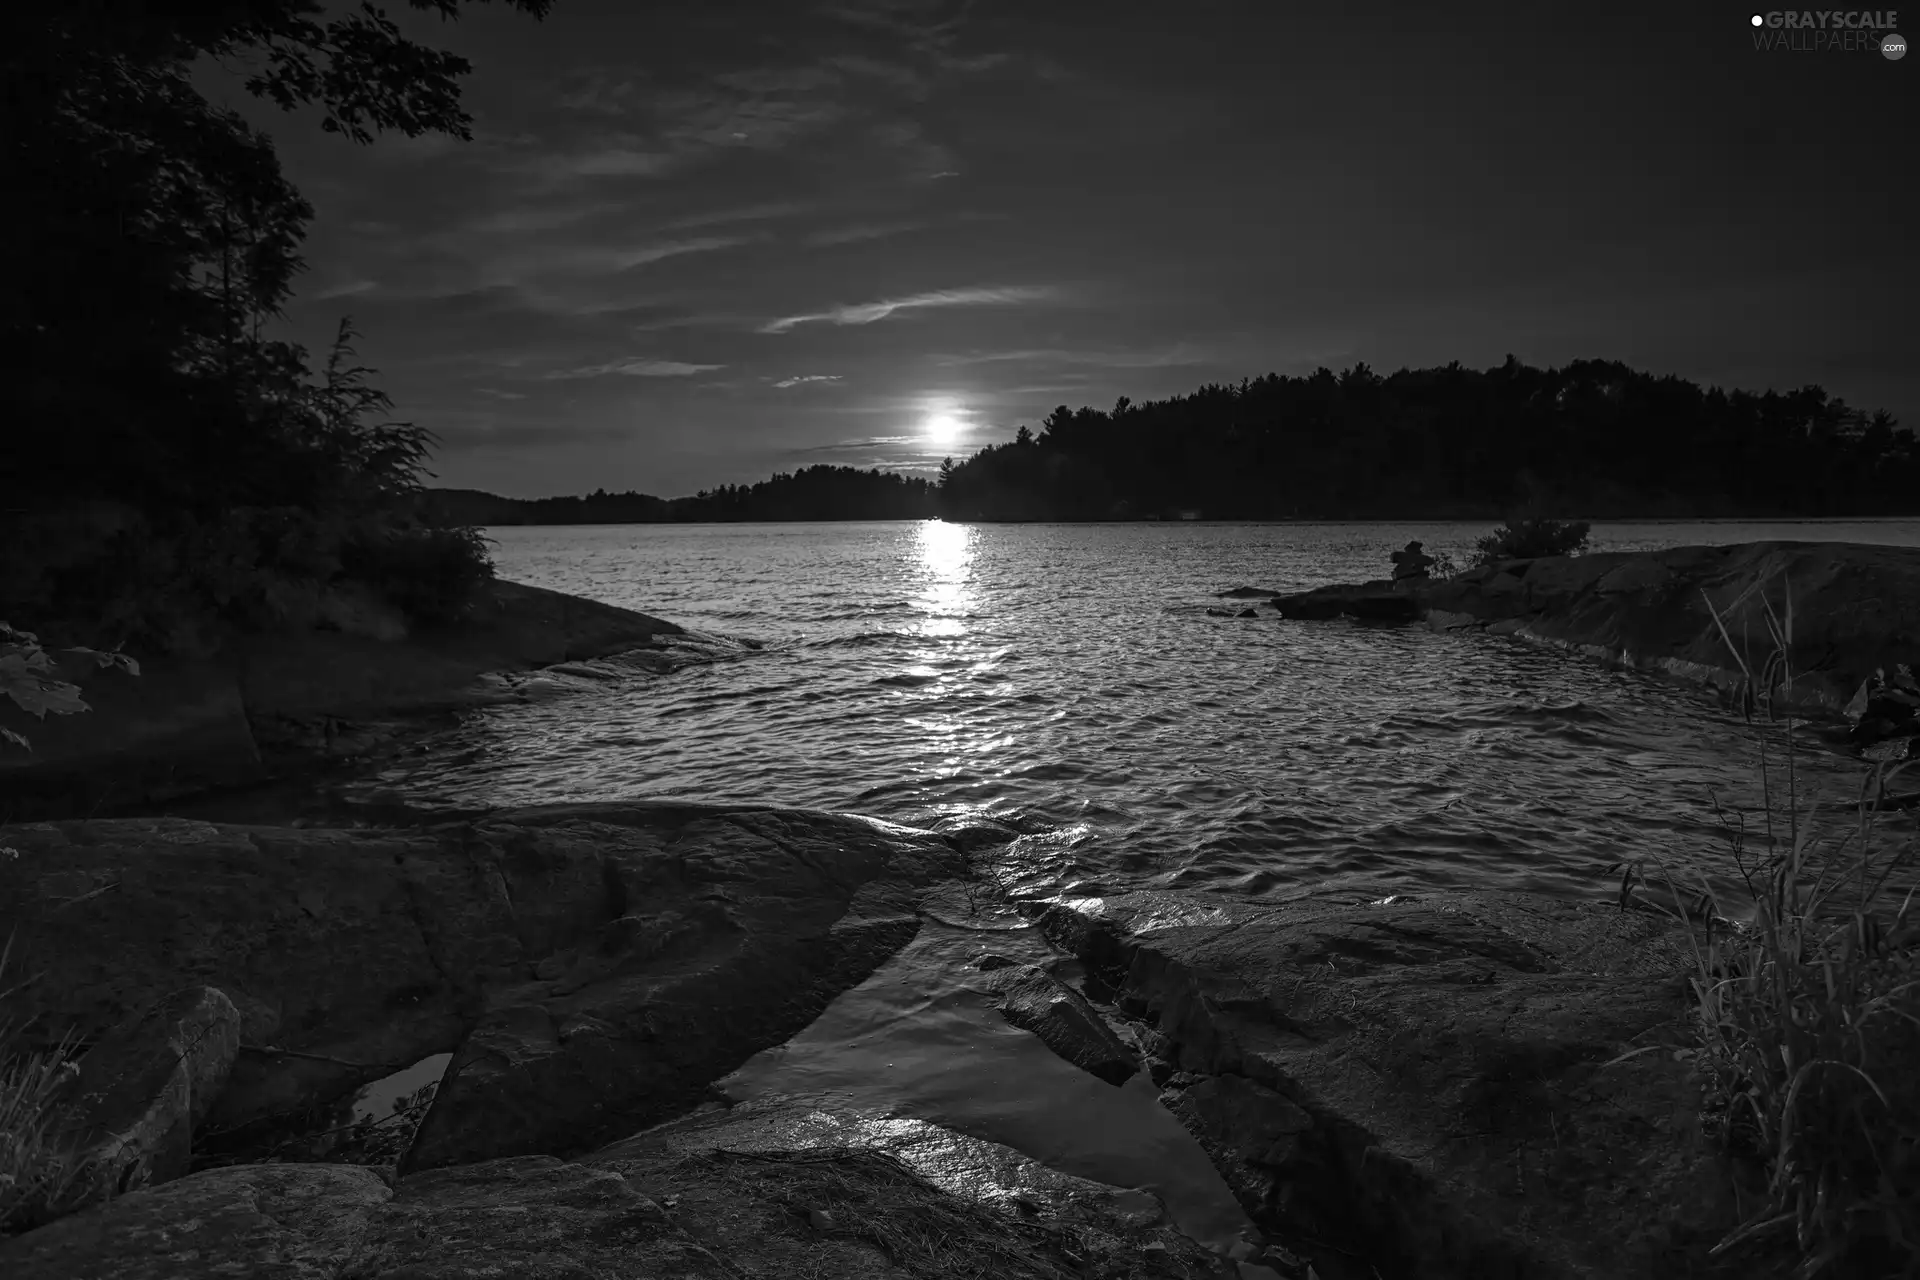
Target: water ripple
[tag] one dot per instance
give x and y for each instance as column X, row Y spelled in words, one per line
column 1065, row 683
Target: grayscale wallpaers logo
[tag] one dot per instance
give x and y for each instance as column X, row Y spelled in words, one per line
column 1830, row 31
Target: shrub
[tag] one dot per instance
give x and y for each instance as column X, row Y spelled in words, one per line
column 1526, row 538
column 434, row 576
column 1809, row 1015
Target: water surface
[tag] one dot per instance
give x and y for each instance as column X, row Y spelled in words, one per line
column 1067, row 678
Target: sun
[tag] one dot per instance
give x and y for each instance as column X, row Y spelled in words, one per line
column 942, row 427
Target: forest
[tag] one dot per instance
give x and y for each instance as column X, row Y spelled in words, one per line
column 1592, row 439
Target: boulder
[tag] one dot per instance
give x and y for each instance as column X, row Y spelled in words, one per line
column 1034, row 1000
column 591, row 967
column 1428, row 1082
column 1246, row 593
column 145, row 1085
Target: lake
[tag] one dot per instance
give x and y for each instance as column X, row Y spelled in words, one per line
column 1067, row 680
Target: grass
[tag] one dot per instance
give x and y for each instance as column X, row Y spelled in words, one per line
column 42, row 1176
column 1808, row 1013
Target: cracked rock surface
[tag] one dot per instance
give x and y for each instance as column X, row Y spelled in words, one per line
column 1425, row 1081
column 591, row 967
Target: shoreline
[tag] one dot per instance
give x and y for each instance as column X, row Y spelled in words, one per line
column 1334, row 1055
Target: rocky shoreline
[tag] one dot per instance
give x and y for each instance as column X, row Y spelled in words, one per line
column 287, row 704
column 1855, row 614
column 1425, row 1084
column 1445, row 1085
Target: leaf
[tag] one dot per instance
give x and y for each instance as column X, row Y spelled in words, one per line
column 105, row 658
column 37, row 697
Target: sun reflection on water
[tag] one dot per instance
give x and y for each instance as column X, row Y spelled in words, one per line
column 946, row 565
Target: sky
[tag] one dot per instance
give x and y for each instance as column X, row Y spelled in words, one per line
column 699, row 242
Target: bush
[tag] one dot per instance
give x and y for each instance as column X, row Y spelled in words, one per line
column 434, row 576
column 1524, row 539
column 1809, row 1016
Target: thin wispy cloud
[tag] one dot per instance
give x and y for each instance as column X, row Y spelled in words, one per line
column 807, row 377
column 869, row 312
column 636, row 369
column 1179, row 354
column 855, row 234
column 350, row 289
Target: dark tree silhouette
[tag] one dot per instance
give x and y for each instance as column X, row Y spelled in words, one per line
column 1593, row 438
column 146, row 239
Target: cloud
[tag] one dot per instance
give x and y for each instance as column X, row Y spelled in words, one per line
column 498, row 394
column 352, row 288
column 1179, row 355
column 635, row 368
column 851, row 235
column 808, row 377
column 868, row 312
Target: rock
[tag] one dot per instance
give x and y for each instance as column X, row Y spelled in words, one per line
column 346, row 684
column 530, row 1216
column 145, row 1085
column 1422, row 1082
column 261, row 1221
column 1248, row 613
column 1034, row 1000
column 1884, row 708
column 1856, row 608
column 1371, row 602
column 679, row 939
column 1245, row 593
column 746, row 1180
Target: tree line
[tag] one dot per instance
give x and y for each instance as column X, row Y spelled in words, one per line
column 1593, row 438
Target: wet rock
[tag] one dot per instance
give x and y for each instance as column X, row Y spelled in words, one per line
column 1248, row 613
column 1034, row 1000
column 145, row 1085
column 1246, row 593
column 746, row 1179
column 1358, row 1079
column 1370, row 602
column 591, row 967
column 264, row 1221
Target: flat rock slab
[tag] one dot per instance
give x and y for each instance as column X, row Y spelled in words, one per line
column 772, row 1190
column 591, row 967
column 1421, row 1078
